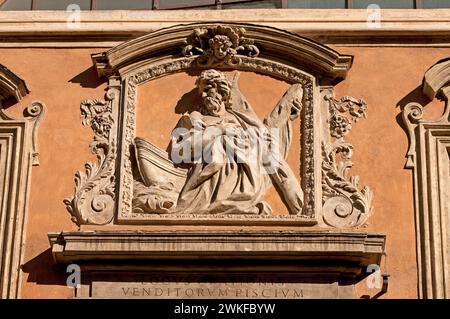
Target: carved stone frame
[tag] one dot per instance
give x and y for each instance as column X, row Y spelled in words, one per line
column 429, row 157
column 155, row 70
column 104, row 193
column 18, row 153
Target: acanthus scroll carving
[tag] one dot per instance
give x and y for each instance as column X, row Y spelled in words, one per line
column 219, row 45
column 345, row 204
column 93, row 201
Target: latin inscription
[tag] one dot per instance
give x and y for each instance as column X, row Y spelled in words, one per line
column 178, row 292
column 213, row 290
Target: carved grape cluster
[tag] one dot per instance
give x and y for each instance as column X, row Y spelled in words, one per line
column 101, row 126
column 97, row 115
column 339, row 126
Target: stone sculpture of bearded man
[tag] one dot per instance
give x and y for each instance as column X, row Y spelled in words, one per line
column 224, row 157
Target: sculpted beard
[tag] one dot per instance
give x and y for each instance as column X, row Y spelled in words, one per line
column 213, row 103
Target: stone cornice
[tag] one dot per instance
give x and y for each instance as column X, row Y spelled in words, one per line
column 290, row 48
column 363, row 248
column 339, row 27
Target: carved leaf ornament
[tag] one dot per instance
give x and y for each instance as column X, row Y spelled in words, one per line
column 345, row 204
column 94, row 188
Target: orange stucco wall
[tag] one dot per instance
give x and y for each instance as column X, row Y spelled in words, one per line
column 383, row 77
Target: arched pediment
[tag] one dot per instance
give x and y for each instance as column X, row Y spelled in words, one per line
column 437, row 77
column 271, row 44
column 11, row 85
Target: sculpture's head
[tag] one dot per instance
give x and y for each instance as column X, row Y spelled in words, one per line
column 221, row 46
column 215, row 90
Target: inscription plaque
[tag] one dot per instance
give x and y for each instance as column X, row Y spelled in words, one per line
column 213, row 290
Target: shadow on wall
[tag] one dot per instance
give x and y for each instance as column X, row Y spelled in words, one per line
column 88, row 79
column 42, row 270
column 9, row 102
column 188, row 102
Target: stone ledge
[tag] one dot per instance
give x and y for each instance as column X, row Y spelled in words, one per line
column 338, row 26
column 97, row 246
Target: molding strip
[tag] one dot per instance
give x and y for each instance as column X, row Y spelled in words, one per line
column 430, row 27
column 72, row 247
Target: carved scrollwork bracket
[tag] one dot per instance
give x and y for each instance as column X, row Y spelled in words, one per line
column 93, row 201
column 345, row 204
column 219, row 45
column 33, row 114
column 412, row 114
